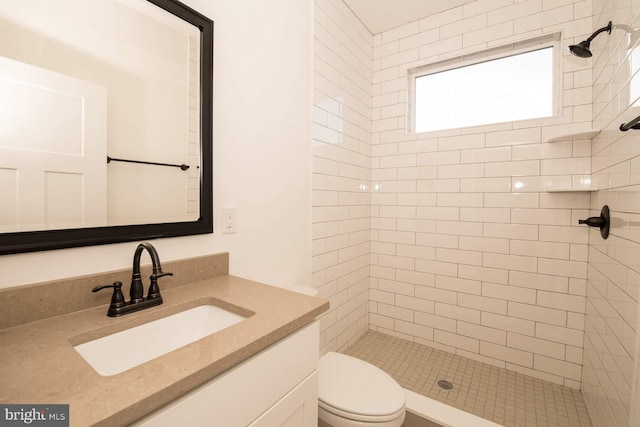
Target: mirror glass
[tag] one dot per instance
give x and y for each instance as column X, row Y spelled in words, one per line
column 105, row 122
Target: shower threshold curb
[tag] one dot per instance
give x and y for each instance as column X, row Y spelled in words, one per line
column 440, row 413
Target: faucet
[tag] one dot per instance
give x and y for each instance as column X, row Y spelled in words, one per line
column 136, row 292
column 137, row 302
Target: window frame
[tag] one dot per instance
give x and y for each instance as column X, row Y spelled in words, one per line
column 503, row 51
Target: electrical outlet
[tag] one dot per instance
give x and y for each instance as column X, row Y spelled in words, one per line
column 228, row 220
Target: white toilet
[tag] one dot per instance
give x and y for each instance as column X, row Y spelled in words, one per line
column 354, row 393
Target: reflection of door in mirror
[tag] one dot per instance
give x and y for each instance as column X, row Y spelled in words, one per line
column 148, row 61
column 52, row 149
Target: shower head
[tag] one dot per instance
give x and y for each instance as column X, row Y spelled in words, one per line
column 582, row 49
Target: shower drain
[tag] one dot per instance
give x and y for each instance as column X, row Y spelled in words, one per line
column 445, row 385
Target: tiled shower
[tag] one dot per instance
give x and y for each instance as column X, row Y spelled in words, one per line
column 467, row 240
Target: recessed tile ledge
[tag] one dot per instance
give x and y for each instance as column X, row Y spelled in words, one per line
column 570, row 190
column 585, row 134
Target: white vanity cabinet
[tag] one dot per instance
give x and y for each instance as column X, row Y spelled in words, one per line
column 276, row 387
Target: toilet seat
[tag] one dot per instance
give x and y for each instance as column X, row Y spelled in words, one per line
column 361, row 417
column 353, row 389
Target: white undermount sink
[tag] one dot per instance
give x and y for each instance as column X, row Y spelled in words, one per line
column 124, row 350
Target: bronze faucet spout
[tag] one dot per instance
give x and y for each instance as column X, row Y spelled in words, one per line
column 137, row 292
column 138, row 301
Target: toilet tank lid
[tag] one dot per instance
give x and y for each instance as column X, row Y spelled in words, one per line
column 357, row 387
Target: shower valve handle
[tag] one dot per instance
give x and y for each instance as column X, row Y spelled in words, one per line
column 594, row 221
column 602, row 222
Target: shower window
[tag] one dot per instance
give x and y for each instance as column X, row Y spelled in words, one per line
column 503, row 84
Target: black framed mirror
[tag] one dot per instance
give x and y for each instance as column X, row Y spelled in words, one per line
column 157, row 94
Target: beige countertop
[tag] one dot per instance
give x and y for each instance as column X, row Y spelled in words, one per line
column 38, row 364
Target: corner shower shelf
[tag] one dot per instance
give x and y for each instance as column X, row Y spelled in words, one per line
column 570, row 190
column 587, row 134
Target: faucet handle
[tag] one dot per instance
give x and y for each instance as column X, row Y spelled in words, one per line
column 117, row 299
column 154, row 290
column 160, row 274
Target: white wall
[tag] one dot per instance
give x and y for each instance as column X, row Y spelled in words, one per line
column 262, row 134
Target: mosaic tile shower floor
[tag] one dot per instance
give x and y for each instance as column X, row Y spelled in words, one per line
column 502, row 396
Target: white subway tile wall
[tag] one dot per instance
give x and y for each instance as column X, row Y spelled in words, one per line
column 343, row 50
column 496, row 252
column 609, row 351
